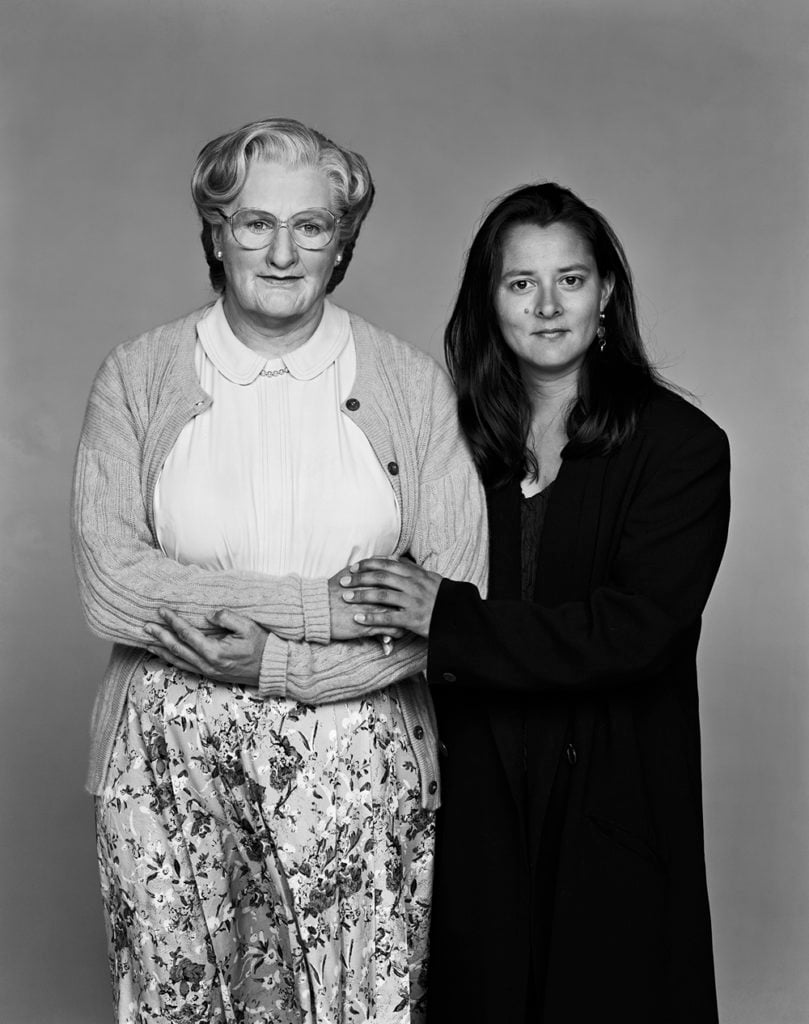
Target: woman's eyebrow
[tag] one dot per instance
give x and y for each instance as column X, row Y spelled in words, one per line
column 574, row 266
column 560, row 270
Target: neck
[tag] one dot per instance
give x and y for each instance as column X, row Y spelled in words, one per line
column 549, row 395
column 550, row 398
column 270, row 339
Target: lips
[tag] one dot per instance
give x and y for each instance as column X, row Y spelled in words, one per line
column 558, row 332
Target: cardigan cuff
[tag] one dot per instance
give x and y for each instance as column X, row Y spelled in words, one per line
column 316, row 611
column 272, row 679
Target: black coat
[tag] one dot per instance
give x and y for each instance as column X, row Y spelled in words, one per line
column 595, row 896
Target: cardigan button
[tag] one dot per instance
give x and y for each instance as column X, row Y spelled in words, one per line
column 570, row 754
column 418, row 732
column 432, row 788
column 449, row 677
column 442, row 749
column 352, row 404
column 393, row 468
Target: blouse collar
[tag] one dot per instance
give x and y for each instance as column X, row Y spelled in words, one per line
column 241, row 365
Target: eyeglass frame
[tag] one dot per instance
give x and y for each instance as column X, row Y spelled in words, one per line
column 279, row 224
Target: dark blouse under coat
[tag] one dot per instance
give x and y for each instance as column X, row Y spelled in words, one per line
column 590, row 900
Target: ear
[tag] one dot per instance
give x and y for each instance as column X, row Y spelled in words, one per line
column 217, row 235
column 607, row 286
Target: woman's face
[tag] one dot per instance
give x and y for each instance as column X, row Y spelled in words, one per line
column 279, row 289
column 548, row 298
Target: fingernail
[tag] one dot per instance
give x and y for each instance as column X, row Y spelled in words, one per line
column 359, row 617
column 355, row 567
column 345, row 581
column 348, row 595
column 149, row 630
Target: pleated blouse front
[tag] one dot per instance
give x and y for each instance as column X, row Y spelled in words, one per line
column 244, row 486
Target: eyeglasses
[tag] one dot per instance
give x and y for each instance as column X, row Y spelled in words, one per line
column 256, row 229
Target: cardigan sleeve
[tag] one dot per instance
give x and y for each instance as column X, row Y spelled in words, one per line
column 450, row 538
column 123, row 575
column 626, row 630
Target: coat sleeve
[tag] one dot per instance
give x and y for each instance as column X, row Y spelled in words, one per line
column 123, row 575
column 627, row 629
column 450, row 538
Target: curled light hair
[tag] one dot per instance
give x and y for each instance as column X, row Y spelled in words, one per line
column 221, row 170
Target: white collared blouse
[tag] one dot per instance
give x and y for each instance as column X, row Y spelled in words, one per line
column 273, row 477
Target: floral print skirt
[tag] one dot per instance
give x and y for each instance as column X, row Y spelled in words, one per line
column 263, row 861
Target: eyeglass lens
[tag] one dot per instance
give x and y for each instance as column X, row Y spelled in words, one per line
column 311, row 229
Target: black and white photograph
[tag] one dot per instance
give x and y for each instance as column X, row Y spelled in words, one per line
column 404, row 587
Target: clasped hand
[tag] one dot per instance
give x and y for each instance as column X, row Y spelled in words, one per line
column 394, row 594
column 377, row 597
column 231, row 654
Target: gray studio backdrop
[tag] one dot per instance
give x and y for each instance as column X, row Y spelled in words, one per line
column 688, row 129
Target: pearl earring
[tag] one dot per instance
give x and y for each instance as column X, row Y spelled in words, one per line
column 338, row 258
column 219, row 254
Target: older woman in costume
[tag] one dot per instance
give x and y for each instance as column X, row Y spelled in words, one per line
column 265, row 768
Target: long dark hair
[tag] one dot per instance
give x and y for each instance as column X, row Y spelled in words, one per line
column 493, row 405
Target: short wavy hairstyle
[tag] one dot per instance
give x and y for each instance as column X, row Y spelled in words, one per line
column 221, row 170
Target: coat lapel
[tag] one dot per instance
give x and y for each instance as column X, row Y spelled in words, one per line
column 570, row 532
column 564, row 573
column 504, row 584
column 565, row 567
column 504, row 551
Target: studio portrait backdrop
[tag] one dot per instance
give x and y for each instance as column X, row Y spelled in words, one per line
column 685, row 124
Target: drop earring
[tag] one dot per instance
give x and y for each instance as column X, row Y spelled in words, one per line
column 601, row 333
column 338, row 258
column 218, row 255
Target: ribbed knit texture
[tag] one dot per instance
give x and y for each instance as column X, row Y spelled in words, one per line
column 143, row 395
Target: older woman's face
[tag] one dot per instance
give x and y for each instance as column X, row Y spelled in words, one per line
column 279, row 289
column 548, row 298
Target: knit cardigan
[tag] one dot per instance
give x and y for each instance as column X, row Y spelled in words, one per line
column 145, row 392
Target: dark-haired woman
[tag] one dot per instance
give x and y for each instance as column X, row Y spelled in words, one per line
column 570, row 875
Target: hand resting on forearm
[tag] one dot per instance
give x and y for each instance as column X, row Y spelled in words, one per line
column 232, row 652
column 391, row 593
